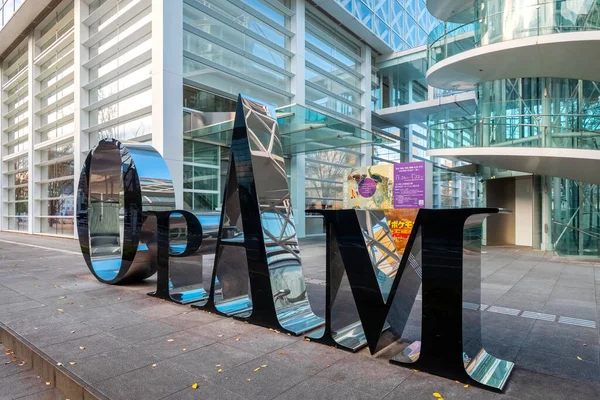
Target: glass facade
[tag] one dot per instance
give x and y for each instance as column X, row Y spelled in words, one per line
column 402, row 24
column 15, row 139
column 119, row 70
column 495, row 21
column 54, row 136
column 534, row 112
column 239, row 46
column 8, row 8
column 531, row 111
column 228, row 47
column 333, row 77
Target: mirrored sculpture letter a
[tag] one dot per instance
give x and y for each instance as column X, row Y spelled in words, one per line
column 258, row 273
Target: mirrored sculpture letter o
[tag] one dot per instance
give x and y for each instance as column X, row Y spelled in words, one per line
column 117, row 184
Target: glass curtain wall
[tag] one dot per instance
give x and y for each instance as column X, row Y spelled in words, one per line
column 325, row 175
column 54, row 136
column 402, row 24
column 333, row 86
column 239, row 46
column 333, row 78
column 120, row 70
column 391, row 153
column 202, row 169
column 455, row 190
column 205, row 162
column 575, row 217
column 15, row 139
column 8, row 8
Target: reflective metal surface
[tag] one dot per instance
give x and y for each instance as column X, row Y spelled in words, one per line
column 480, row 365
column 117, row 184
column 169, row 237
column 258, row 273
column 190, row 273
column 361, row 246
column 384, row 288
column 450, row 343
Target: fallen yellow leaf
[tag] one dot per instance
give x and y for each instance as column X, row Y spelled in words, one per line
column 256, row 369
column 81, row 347
column 466, row 386
column 579, row 358
column 72, row 362
column 237, row 339
column 60, row 310
column 437, row 395
column 264, row 366
column 47, row 383
column 307, row 339
column 153, row 365
column 220, row 370
column 195, row 386
column 59, row 364
column 248, row 379
column 281, row 352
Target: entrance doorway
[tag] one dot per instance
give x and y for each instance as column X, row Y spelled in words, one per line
column 514, row 194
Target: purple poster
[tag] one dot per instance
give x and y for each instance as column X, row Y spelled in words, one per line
column 409, row 185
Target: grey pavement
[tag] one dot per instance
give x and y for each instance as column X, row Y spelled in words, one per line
column 539, row 311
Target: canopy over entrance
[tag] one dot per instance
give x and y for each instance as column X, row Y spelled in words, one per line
column 302, row 130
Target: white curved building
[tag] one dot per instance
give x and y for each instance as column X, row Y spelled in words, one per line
column 534, row 135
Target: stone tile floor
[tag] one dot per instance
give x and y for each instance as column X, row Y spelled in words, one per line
column 130, row 346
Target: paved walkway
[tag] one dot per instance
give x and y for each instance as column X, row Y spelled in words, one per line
column 540, row 312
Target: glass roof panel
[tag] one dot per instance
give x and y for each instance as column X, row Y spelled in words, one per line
column 301, row 130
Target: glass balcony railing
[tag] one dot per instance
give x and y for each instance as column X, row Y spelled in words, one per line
column 8, row 8
column 559, row 130
column 499, row 20
column 449, row 39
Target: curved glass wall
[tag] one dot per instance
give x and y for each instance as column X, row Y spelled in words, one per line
column 531, row 112
column 501, row 20
column 575, row 208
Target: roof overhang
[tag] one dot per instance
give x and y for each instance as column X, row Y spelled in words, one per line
column 301, row 130
column 559, row 55
column 337, row 11
column 575, row 164
column 417, row 113
column 16, row 29
column 448, row 10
